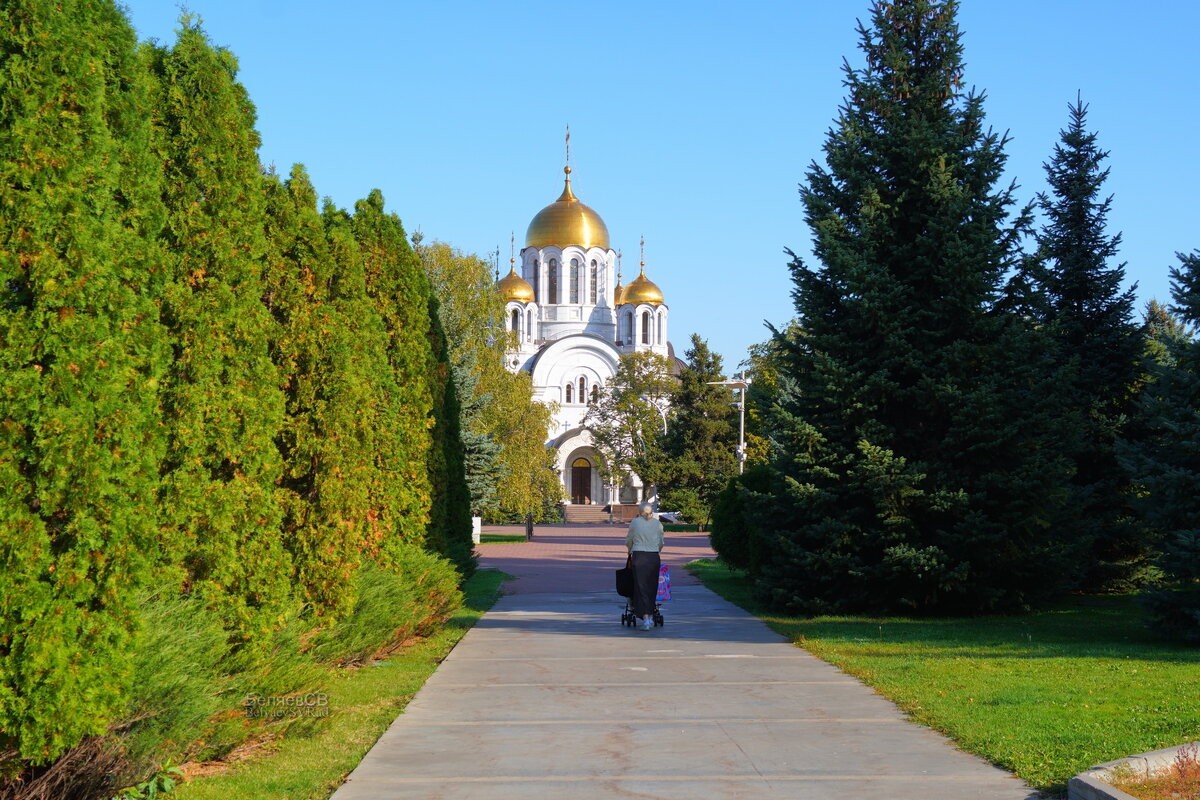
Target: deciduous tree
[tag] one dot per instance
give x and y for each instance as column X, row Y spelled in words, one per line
column 628, row 418
column 470, row 311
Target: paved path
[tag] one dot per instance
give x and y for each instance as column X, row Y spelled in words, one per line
column 549, row 696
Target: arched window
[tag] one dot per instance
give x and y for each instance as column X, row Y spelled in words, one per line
column 645, row 327
column 594, row 295
column 574, row 280
column 516, row 321
column 529, row 325
column 537, row 279
column 628, row 337
column 662, row 328
column 583, row 390
column 570, row 392
column 552, row 279
column 595, row 392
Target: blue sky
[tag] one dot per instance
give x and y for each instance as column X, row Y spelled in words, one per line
column 691, row 123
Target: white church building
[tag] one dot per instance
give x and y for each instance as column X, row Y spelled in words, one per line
column 573, row 319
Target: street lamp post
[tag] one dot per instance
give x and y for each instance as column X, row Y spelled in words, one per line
column 740, row 385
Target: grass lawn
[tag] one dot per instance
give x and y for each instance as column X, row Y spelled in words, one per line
column 1045, row 695
column 501, row 538
column 362, row 703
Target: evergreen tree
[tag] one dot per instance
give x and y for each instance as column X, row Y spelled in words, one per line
column 1164, row 332
column 450, row 506
column 915, row 433
column 330, row 350
column 1099, row 348
column 80, row 369
column 1166, row 459
column 399, row 293
column 702, row 436
column 224, row 406
column 738, row 521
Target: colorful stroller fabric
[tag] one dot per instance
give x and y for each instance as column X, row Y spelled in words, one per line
column 664, row 584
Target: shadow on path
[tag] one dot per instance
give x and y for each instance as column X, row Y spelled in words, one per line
column 549, row 695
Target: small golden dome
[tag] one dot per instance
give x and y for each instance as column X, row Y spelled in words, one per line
column 513, row 287
column 618, row 293
column 642, row 290
column 567, row 221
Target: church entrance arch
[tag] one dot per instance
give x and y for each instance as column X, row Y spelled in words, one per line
column 581, row 481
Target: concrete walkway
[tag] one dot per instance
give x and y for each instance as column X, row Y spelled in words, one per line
column 549, row 696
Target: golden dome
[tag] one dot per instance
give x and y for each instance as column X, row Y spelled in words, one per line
column 642, row 290
column 513, row 287
column 567, row 221
column 618, row 293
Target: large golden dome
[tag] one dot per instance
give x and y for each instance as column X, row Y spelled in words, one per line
column 567, row 221
column 642, row 290
column 513, row 287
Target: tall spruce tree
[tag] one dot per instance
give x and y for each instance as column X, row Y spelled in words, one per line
column 224, row 407
column 701, row 437
column 80, row 369
column 1165, row 459
column 916, row 433
column 1098, row 347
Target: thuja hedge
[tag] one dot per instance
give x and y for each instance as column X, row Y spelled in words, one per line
column 223, row 412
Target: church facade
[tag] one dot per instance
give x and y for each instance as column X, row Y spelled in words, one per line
column 573, row 320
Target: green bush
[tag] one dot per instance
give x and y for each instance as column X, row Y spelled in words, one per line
column 687, row 502
column 186, row 702
column 191, row 686
column 391, row 608
column 551, row 514
column 735, row 535
column 179, row 684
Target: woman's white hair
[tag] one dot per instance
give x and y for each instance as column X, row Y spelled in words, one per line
column 645, row 509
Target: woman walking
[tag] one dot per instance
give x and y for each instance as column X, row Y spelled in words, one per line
column 644, row 543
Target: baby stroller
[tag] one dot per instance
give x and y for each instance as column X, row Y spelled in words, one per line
column 625, row 589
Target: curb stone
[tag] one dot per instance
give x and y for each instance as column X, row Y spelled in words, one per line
column 1091, row 785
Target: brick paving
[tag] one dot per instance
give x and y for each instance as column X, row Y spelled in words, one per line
column 565, row 559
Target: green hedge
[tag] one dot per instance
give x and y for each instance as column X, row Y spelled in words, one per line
column 223, row 414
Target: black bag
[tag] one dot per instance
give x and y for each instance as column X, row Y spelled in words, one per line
column 625, row 578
